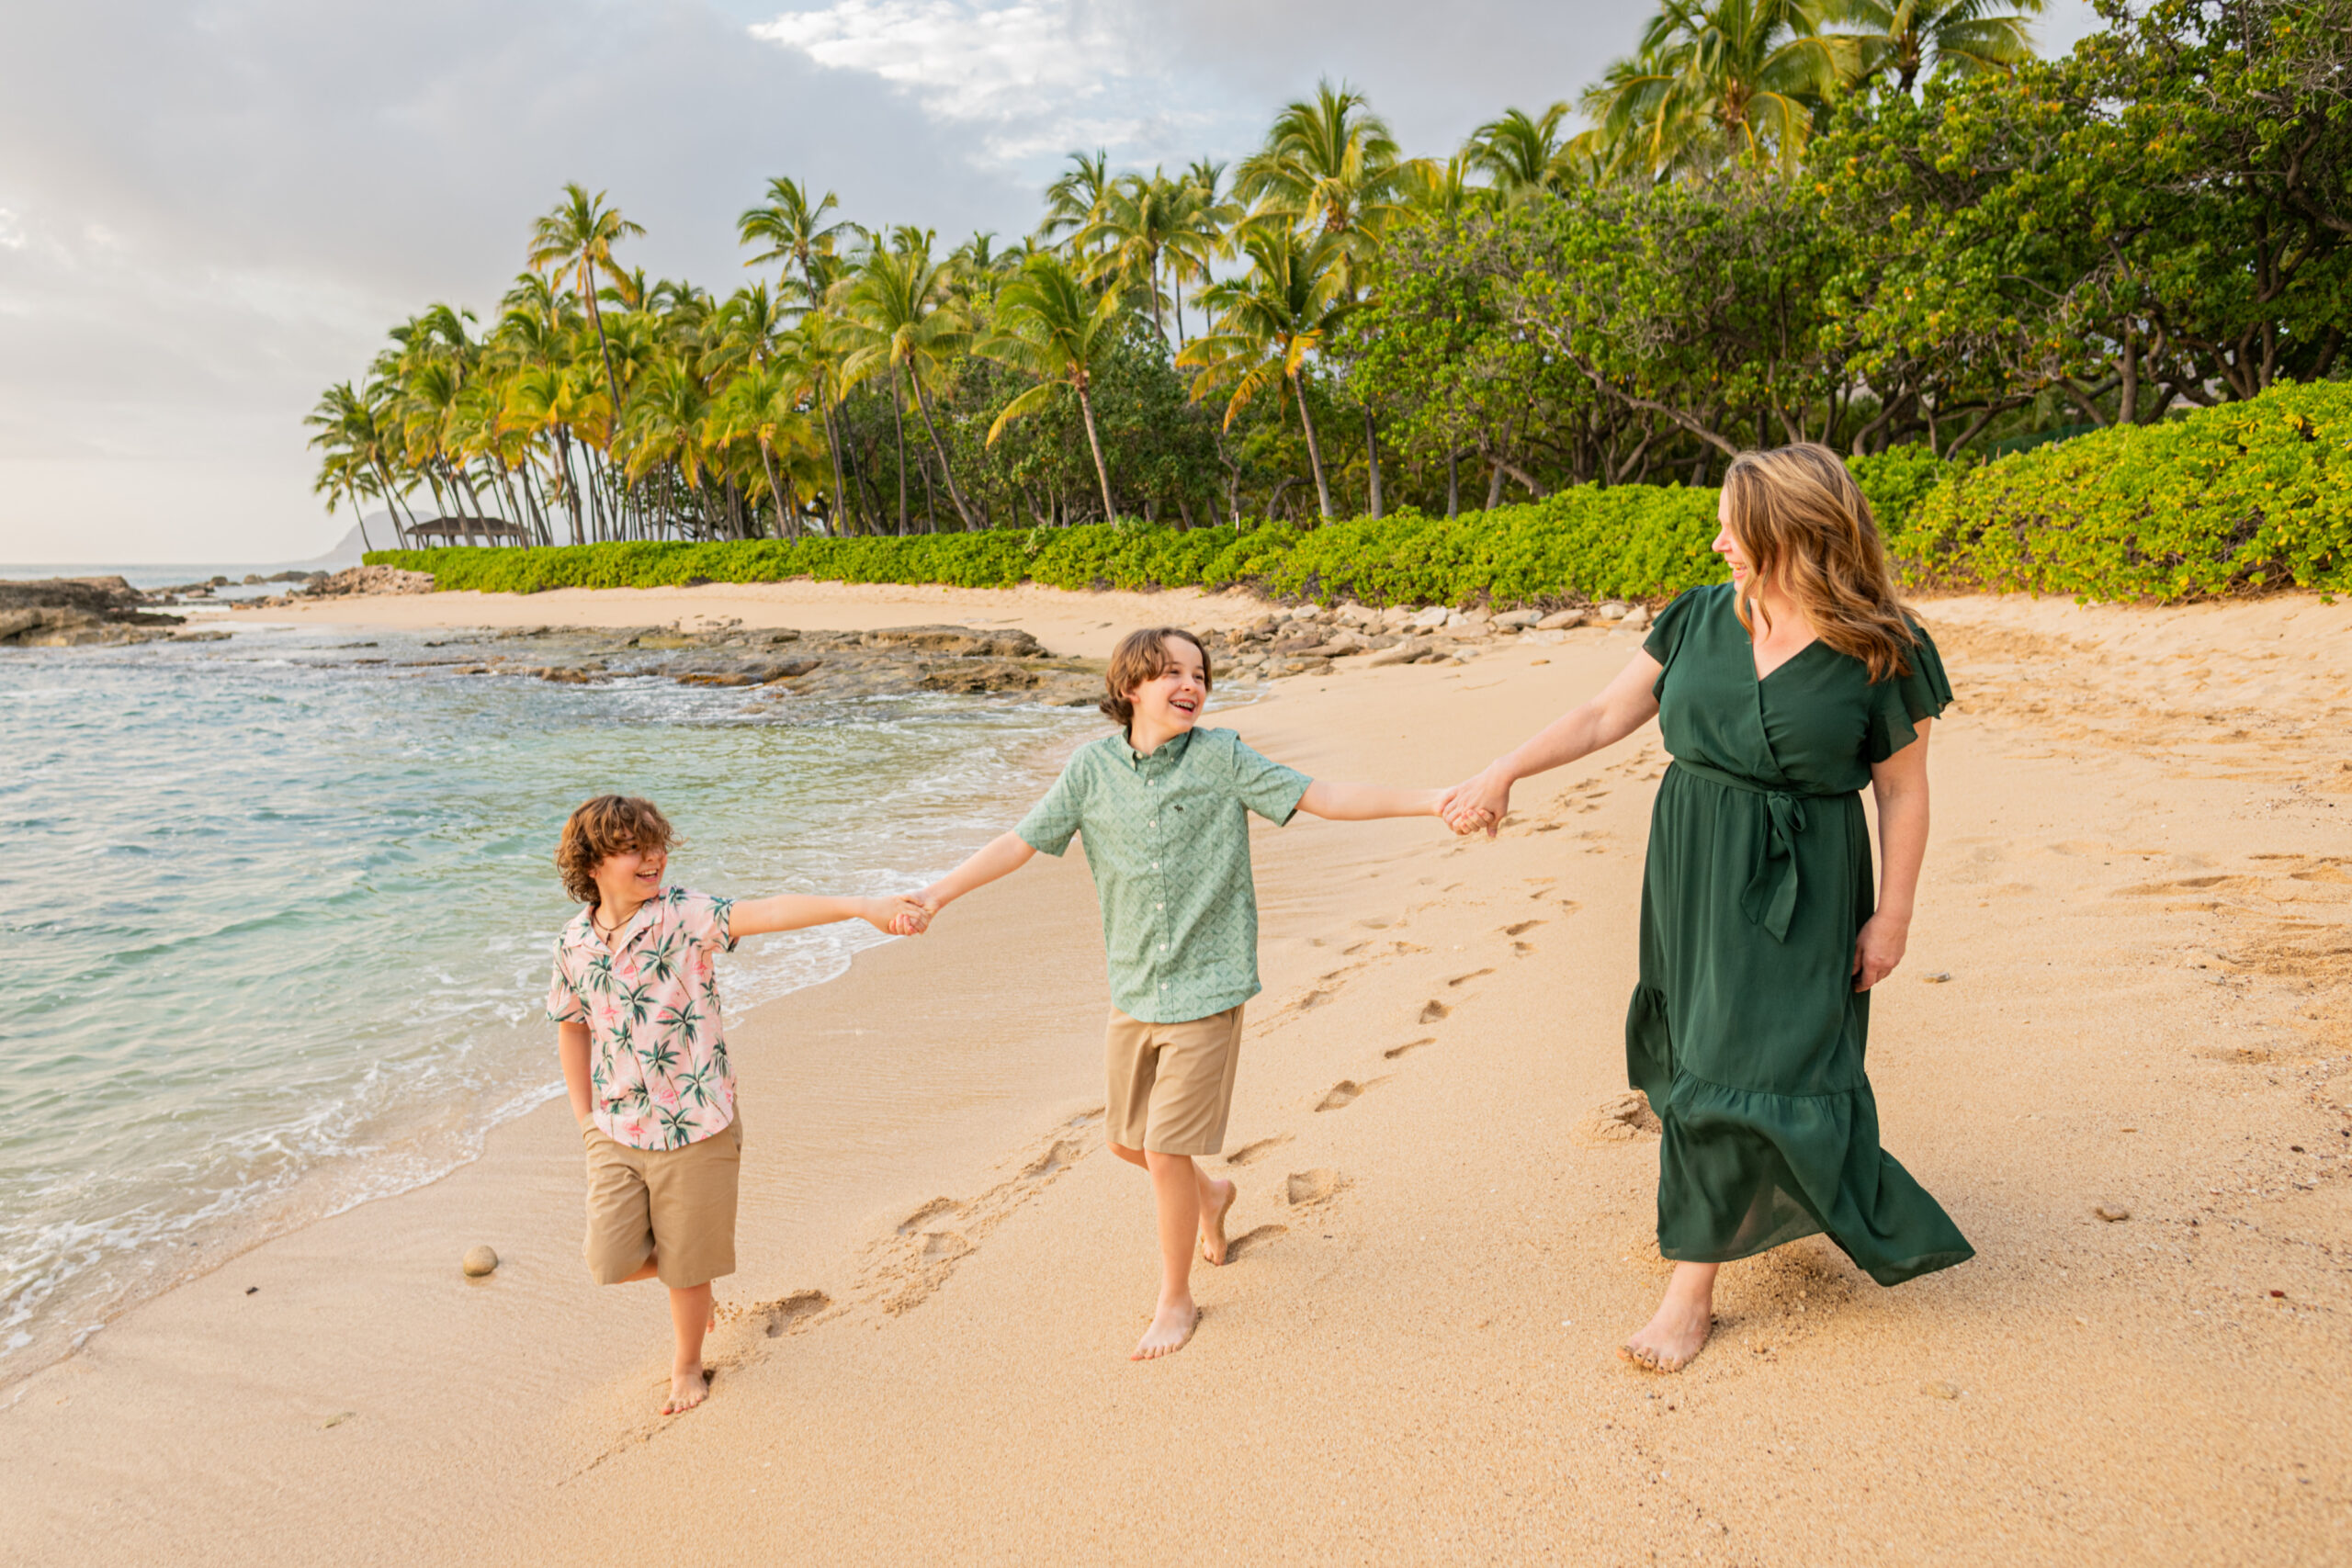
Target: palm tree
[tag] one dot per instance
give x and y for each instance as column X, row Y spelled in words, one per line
column 767, row 403
column 1329, row 166
column 797, row 234
column 1071, row 200
column 1048, row 326
column 1715, row 80
column 1524, row 155
column 898, row 312
column 1139, row 220
column 1267, row 323
column 1443, row 190
column 575, row 242
column 1956, row 37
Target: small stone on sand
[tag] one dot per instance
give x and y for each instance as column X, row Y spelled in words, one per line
column 1939, row 1389
column 2111, row 1213
column 1936, row 977
column 480, row 1260
column 338, row 1418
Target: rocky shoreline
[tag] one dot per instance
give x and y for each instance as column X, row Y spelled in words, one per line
column 75, row 611
column 772, row 663
column 1307, row 639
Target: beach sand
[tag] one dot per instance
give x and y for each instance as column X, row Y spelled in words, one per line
column 2129, row 985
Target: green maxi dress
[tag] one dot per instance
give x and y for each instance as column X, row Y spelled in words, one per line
column 1745, row 1031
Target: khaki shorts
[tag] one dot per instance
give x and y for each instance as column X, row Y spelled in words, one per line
column 676, row 1204
column 1171, row 1084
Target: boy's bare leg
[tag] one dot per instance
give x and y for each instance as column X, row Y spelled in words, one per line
column 691, row 1314
column 1176, row 1194
column 1215, row 1199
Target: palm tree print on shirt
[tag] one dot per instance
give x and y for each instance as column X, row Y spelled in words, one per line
column 659, row 1065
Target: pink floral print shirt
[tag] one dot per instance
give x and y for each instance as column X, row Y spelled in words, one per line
column 657, row 1058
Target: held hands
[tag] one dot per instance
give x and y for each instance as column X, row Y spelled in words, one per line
column 895, row 917
column 1879, row 949
column 1478, row 805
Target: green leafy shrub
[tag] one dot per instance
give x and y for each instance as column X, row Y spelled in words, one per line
column 1627, row 541
column 2245, row 496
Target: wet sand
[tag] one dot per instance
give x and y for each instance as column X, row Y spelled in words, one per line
column 2137, row 887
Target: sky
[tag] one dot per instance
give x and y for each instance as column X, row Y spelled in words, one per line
column 211, row 211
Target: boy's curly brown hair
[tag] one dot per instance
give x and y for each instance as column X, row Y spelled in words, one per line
column 608, row 825
column 1143, row 656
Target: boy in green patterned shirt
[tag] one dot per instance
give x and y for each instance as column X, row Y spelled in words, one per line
column 1163, row 809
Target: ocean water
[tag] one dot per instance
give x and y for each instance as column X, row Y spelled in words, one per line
column 277, row 920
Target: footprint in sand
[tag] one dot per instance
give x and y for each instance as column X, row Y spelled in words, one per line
column 1344, row 1093
column 1395, row 1051
column 1474, row 974
column 1252, row 1240
column 1063, row 1155
column 783, row 1316
column 944, row 1246
column 1249, row 1152
column 927, row 1213
column 1307, row 1187
column 1433, row 1010
column 1519, row 928
column 1314, row 999
column 1623, row 1119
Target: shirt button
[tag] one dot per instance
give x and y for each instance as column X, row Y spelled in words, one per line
column 1155, row 865
column 1159, row 905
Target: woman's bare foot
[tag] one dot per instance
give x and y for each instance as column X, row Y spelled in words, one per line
column 1213, row 1222
column 1673, row 1335
column 687, row 1389
column 1171, row 1326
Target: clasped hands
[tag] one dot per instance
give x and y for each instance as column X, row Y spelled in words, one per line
column 1478, row 804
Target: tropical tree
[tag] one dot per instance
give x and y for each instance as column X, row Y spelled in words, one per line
column 1952, row 38
column 897, row 313
column 1049, row 327
column 796, row 234
column 1716, row 81
column 1143, row 221
column 1267, row 322
column 1524, row 155
column 1330, row 165
column 574, row 242
column 1076, row 193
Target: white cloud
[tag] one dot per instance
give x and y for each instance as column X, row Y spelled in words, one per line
column 1034, row 77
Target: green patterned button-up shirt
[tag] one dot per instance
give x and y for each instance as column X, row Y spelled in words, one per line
column 1168, row 844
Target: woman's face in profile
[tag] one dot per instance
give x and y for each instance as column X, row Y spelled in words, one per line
column 1727, row 546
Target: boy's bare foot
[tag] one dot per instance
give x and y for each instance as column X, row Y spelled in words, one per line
column 1171, row 1326
column 687, row 1389
column 1213, row 1223
column 1672, row 1337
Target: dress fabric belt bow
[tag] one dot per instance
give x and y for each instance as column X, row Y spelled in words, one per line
column 1771, row 897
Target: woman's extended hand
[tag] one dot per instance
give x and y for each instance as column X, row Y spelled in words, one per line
column 1879, row 949
column 1478, row 803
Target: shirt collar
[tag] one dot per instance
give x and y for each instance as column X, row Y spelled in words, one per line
column 582, row 930
column 1171, row 751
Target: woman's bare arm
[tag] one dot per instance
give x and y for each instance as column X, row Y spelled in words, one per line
column 1899, row 785
column 1623, row 706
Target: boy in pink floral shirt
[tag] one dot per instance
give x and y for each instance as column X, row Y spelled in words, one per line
column 636, row 1006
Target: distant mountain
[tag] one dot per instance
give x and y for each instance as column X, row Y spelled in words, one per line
column 346, row 550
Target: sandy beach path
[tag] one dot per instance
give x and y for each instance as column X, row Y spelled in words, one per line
column 2127, row 987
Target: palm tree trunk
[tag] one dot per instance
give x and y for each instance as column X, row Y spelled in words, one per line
column 1153, row 283
column 612, row 382
column 1086, row 407
column 783, row 528
column 898, row 416
column 833, row 451
column 1314, row 448
column 1453, row 483
column 1372, row 459
column 922, row 406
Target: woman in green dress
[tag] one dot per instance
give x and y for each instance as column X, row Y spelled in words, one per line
column 1780, row 695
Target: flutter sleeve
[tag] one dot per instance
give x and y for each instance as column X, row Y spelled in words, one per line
column 1668, row 630
column 1900, row 701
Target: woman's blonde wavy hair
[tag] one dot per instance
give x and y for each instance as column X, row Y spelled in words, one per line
column 1802, row 523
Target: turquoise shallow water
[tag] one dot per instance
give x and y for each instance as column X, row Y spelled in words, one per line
column 278, row 921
